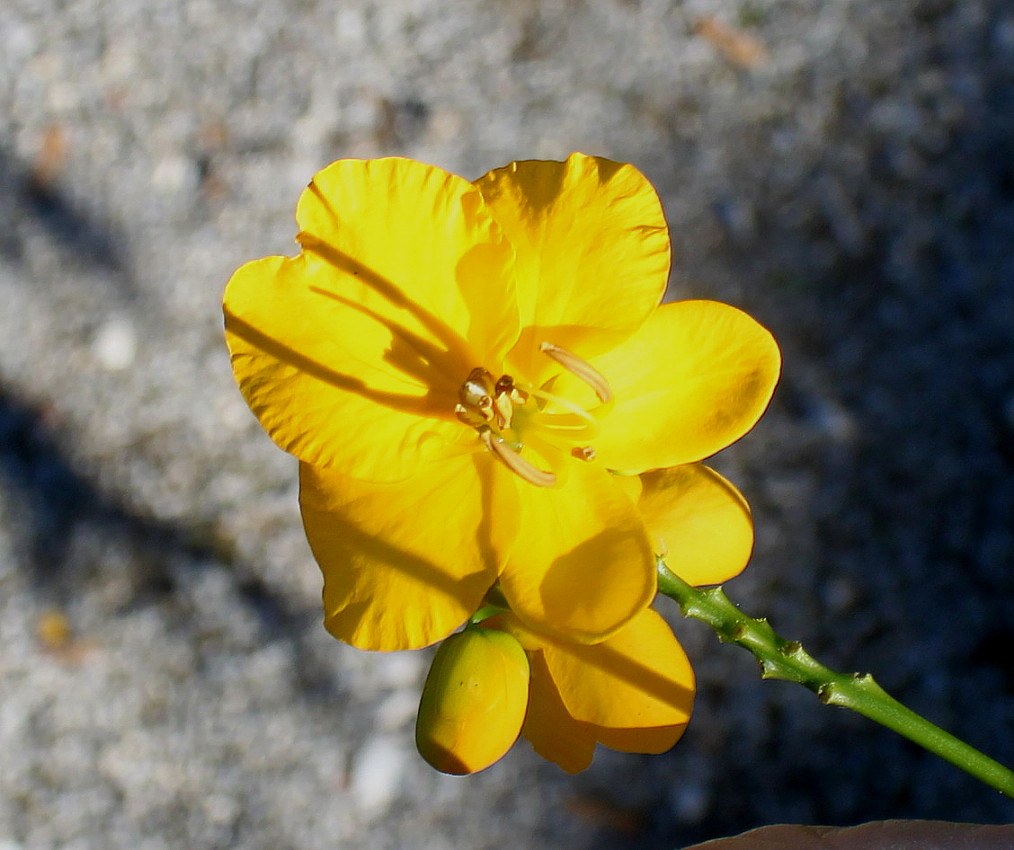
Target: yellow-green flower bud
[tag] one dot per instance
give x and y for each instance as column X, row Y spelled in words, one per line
column 474, row 701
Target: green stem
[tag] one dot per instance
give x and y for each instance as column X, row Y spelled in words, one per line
column 783, row 659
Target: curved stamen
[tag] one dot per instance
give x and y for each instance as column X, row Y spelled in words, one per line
column 514, row 462
column 580, row 368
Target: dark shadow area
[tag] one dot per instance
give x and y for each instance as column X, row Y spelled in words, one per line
column 59, row 501
column 30, row 196
column 886, row 270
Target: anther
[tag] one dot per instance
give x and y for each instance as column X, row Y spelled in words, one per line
column 580, row 368
column 468, row 416
column 583, row 452
column 514, row 462
column 477, row 391
column 505, row 386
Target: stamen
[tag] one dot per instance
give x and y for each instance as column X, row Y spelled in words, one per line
column 579, row 368
column 504, row 384
column 514, row 462
column 583, row 452
column 504, row 411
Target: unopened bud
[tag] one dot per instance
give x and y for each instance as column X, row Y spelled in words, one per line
column 474, row 701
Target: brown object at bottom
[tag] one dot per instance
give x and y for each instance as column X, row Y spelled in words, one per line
column 877, row 835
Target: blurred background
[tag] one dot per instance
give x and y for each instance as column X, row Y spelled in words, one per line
column 843, row 171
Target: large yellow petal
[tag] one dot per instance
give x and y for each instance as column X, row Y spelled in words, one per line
column 351, row 354
column 592, row 250
column 694, row 379
column 699, row 521
column 426, row 231
column 405, row 563
column 553, row 733
column 581, row 564
column 640, row 677
column 602, row 674
column 313, row 371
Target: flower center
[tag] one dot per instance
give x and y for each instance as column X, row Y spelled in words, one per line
column 508, row 417
column 487, row 403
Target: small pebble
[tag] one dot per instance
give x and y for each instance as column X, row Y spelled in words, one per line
column 375, row 774
column 115, row 344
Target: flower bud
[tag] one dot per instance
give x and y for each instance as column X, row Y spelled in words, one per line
column 474, row 701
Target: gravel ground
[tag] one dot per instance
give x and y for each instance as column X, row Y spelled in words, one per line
column 841, row 170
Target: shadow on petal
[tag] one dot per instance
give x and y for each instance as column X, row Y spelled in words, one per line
column 404, row 564
column 420, row 570
column 409, row 352
column 426, row 405
column 593, row 588
column 343, row 262
column 406, row 602
column 629, row 671
column 654, row 740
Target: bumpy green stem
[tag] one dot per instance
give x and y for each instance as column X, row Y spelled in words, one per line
column 783, row 659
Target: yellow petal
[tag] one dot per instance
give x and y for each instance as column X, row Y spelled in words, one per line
column 427, row 232
column 557, row 735
column 632, row 485
column 351, row 355
column 404, row 563
column 473, row 702
column 695, row 378
column 655, row 740
column 592, row 250
column 640, row 677
column 549, row 727
column 699, row 522
column 581, row 564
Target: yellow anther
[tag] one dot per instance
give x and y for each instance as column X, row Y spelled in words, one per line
column 583, row 452
column 579, row 368
column 514, row 462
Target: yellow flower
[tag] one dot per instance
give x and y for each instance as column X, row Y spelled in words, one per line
column 460, row 366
